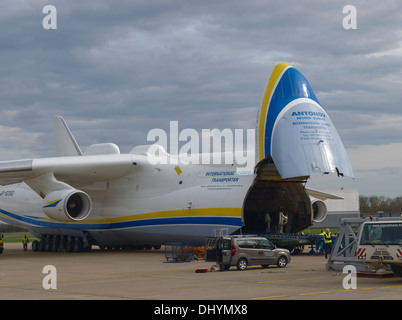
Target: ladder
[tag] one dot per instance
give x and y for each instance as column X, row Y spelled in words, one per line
column 218, row 233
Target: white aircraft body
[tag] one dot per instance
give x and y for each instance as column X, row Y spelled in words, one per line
column 101, row 197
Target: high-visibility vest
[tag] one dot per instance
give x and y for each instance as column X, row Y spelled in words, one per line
column 327, row 237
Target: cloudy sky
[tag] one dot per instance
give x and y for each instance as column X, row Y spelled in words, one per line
column 117, row 69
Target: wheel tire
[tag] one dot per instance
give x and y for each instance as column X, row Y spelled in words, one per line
column 70, row 245
column 78, row 246
column 242, row 264
column 396, row 269
column 41, row 246
column 282, row 262
column 55, row 245
column 48, row 245
column 35, row 246
column 224, row 267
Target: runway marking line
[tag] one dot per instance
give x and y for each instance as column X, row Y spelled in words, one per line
column 312, row 293
column 272, row 281
column 317, row 278
column 270, row 297
column 396, row 286
column 362, row 289
column 21, row 282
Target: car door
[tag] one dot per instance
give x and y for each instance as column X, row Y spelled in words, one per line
column 266, row 252
column 224, row 252
column 210, row 249
column 251, row 249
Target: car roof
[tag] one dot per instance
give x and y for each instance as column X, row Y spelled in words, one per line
column 251, row 237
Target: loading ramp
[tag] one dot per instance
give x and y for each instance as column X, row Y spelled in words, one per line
column 294, row 242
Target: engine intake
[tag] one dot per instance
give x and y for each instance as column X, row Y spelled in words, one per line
column 319, row 210
column 67, row 205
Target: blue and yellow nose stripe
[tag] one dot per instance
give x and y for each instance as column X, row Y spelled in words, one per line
column 285, row 85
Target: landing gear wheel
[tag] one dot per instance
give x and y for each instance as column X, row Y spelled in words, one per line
column 78, row 246
column 35, row 246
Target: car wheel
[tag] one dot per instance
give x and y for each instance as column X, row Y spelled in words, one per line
column 282, row 262
column 396, row 269
column 242, row 264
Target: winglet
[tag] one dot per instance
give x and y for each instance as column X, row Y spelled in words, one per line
column 65, row 141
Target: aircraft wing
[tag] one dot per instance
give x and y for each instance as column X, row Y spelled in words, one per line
column 99, row 163
column 48, row 174
column 322, row 195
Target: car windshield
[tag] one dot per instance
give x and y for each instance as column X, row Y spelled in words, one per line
column 382, row 234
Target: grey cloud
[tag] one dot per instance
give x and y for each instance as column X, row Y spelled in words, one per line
column 117, row 69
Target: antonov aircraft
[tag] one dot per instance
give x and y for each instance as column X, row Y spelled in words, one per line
column 101, row 197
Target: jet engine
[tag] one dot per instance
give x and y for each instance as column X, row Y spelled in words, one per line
column 319, row 210
column 67, row 205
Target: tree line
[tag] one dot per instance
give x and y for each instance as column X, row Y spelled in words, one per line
column 374, row 204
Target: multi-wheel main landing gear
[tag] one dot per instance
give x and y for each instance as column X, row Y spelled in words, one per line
column 52, row 243
column 57, row 243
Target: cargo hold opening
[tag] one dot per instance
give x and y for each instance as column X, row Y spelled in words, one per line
column 285, row 201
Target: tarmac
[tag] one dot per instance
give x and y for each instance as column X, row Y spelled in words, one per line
column 147, row 275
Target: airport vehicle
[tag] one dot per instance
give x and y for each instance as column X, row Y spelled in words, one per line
column 244, row 250
column 148, row 197
column 380, row 244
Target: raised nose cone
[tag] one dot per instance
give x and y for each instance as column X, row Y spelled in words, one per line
column 297, row 132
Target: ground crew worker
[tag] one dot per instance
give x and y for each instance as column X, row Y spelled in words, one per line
column 267, row 222
column 327, row 242
column 25, row 242
column 1, row 244
column 283, row 219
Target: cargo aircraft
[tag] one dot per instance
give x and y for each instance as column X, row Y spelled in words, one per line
column 105, row 198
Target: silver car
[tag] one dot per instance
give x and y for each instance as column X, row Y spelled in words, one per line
column 242, row 251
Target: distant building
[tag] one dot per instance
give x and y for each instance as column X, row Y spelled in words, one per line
column 348, row 207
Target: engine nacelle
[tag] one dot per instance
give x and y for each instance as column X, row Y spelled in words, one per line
column 67, row 205
column 319, row 210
